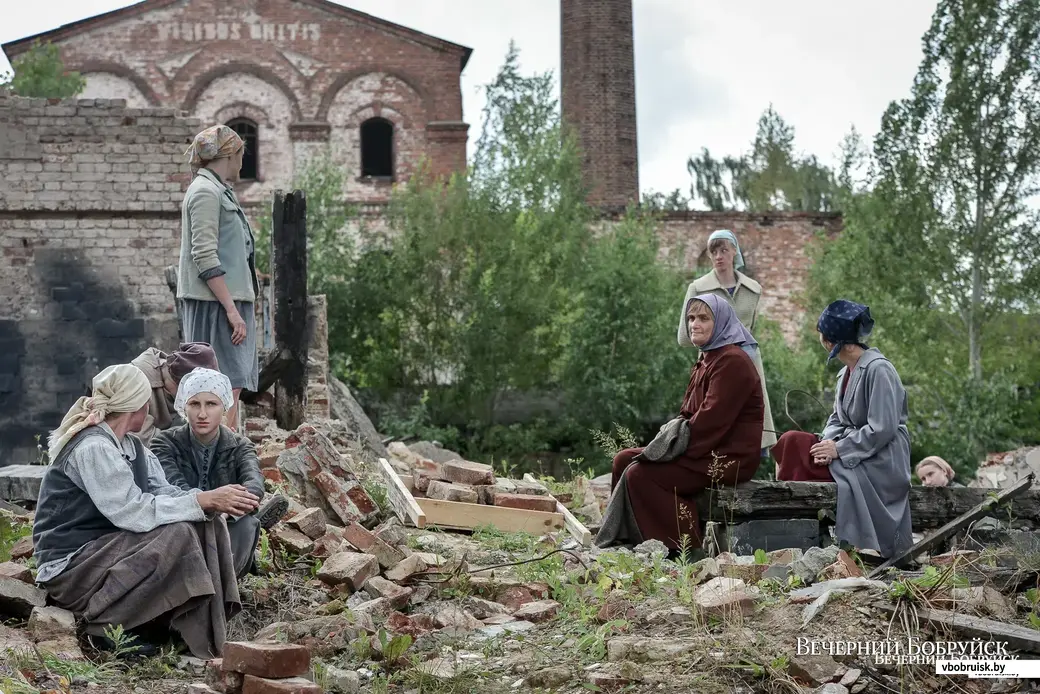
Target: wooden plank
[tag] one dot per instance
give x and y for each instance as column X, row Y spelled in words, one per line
column 1017, row 638
column 930, row 507
column 454, row 514
column 405, row 507
column 289, row 267
column 574, row 526
column 950, row 529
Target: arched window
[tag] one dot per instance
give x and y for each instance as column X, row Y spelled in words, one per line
column 377, row 148
column 247, row 130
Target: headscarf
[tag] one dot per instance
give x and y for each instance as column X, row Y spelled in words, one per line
column 938, row 462
column 728, row 328
column 728, row 235
column 843, row 323
column 119, row 388
column 190, row 355
column 217, row 142
column 203, row 381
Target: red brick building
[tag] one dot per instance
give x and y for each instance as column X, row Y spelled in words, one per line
column 297, row 78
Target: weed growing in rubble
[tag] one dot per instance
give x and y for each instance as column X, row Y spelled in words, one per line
column 377, row 492
column 10, row 533
column 491, row 537
column 265, row 559
column 611, row 445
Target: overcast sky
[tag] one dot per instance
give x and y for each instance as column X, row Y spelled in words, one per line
column 705, row 69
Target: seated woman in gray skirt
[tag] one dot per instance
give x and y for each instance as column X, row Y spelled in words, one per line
column 204, row 455
column 116, row 544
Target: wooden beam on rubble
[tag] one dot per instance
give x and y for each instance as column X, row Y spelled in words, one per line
column 984, row 508
column 574, row 526
column 1017, row 638
column 930, row 507
column 289, row 267
column 463, row 516
column 400, row 498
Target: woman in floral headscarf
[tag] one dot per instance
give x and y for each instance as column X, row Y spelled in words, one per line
column 865, row 446
column 217, row 282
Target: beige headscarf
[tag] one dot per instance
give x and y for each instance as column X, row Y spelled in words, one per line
column 938, row 462
column 217, row 142
column 119, row 388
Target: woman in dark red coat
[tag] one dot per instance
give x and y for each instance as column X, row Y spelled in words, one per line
column 725, row 410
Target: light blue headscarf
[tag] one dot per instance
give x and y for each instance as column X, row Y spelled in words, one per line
column 738, row 262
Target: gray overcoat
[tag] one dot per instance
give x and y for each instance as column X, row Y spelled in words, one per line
column 872, row 470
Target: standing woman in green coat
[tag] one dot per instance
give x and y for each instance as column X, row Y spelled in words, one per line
column 743, row 293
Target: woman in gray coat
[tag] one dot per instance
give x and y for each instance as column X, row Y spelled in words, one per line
column 865, row 446
column 216, row 282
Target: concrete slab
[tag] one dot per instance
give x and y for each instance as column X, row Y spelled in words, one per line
column 21, row 482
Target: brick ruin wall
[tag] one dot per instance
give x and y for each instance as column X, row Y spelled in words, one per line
column 90, row 196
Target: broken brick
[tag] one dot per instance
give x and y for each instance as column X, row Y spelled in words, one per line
column 311, row 523
column 349, row 568
column 466, row 472
column 538, row 611
column 23, row 549
column 222, row 681
column 367, row 542
column 272, row 474
column 327, row 545
column 347, row 498
column 291, row 540
column 414, row 626
column 379, row 587
column 843, row 567
column 20, row 572
column 421, row 482
column 265, row 659
column 408, row 567
column 294, row 685
column 528, row 502
column 452, row 492
column 391, row 532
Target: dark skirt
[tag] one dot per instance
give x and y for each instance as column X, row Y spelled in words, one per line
column 206, row 321
column 794, row 462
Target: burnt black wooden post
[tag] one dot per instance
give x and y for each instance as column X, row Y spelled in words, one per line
column 289, row 267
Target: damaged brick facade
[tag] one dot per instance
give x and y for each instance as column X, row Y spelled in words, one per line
column 308, row 75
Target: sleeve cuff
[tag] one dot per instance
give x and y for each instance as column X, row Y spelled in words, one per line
column 211, row 273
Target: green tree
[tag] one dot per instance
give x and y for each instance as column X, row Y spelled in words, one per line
column 958, row 162
column 40, row 72
column 772, row 176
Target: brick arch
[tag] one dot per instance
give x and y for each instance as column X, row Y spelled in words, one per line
column 243, row 109
column 378, row 110
column 94, row 66
column 346, row 78
column 205, row 79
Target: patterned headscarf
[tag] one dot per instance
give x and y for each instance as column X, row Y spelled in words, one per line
column 728, row 235
column 191, row 355
column 119, row 388
column 845, row 323
column 728, row 328
column 218, row 142
column 203, row 381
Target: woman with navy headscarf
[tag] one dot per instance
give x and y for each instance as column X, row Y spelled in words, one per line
column 865, row 446
column 727, row 282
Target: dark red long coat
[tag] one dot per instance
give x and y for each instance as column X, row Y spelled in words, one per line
column 724, row 405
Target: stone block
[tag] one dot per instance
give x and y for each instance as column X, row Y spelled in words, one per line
column 538, row 611
column 366, row 541
column 645, row 649
column 342, row 681
column 379, row 587
column 466, row 472
column 408, row 567
column 265, row 659
column 294, row 685
column 452, row 492
column 52, row 624
column 526, row 501
column 21, row 482
column 723, row 597
column 391, row 532
column 770, row 535
column 20, row 572
column 311, row 523
column 454, row 617
column 327, row 545
column 293, row 541
column 17, row 599
column 221, row 680
column 203, row 688
column 350, row 569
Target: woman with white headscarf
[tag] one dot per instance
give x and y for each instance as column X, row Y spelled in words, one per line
column 203, row 454
column 115, row 543
column 216, row 282
column 742, row 293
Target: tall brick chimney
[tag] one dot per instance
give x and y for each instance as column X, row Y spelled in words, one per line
column 598, row 94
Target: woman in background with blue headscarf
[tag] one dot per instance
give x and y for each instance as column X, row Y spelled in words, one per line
column 742, row 293
column 865, row 446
